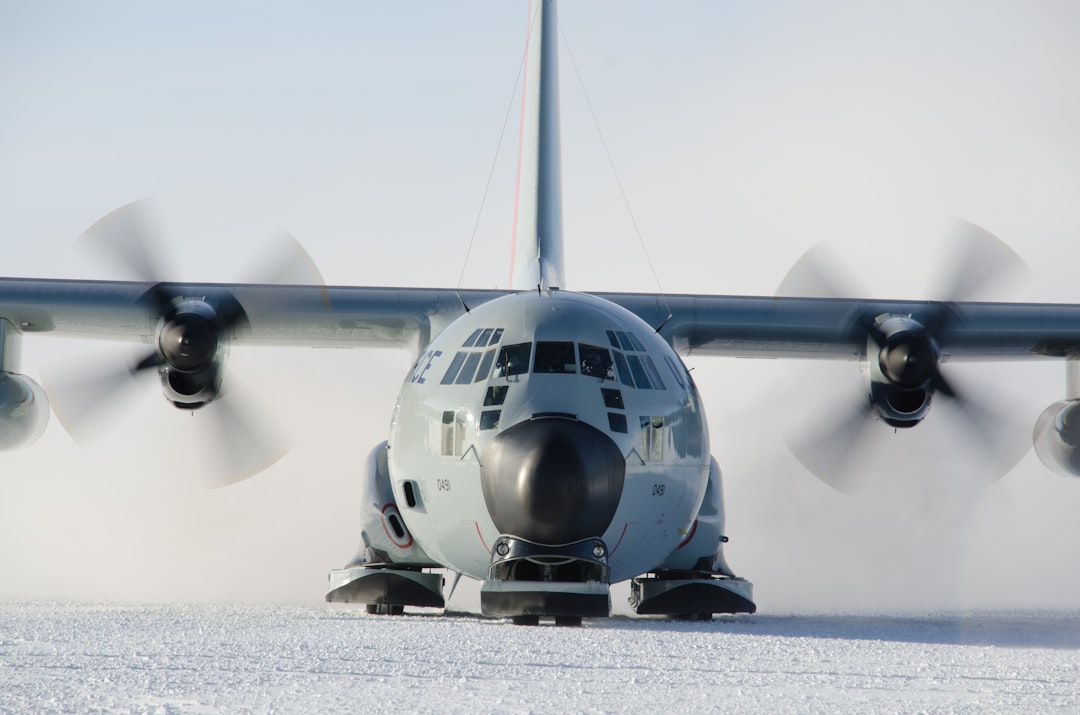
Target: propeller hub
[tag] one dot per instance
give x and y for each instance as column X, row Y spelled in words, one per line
column 189, row 341
column 910, row 359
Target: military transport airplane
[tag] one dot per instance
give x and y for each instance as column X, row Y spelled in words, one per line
column 546, row 442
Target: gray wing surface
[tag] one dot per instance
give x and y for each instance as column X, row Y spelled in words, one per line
column 276, row 315
column 348, row 316
column 835, row 328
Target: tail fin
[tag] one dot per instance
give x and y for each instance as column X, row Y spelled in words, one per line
column 537, row 258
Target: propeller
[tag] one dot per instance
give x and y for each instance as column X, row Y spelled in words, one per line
column 188, row 354
column 865, row 441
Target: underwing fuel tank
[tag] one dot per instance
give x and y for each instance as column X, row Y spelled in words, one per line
column 24, row 411
column 1057, row 437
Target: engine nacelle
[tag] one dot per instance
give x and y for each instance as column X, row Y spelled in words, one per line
column 1057, row 437
column 191, row 390
column 900, row 407
column 24, row 411
column 903, row 363
column 191, row 354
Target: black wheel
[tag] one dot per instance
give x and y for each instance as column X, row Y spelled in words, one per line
column 568, row 621
column 526, row 620
column 372, row 609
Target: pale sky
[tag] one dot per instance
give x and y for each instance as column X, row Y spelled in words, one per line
column 742, row 134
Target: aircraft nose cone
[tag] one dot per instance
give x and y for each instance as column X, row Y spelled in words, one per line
column 552, row 480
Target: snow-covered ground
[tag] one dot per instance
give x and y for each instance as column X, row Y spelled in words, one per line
column 210, row 659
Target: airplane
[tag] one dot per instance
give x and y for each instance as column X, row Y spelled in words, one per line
column 545, row 442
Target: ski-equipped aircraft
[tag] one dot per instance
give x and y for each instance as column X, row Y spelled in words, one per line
column 546, row 442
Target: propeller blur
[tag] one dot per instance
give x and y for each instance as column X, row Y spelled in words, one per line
column 546, row 442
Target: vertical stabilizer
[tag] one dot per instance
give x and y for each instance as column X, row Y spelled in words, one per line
column 538, row 244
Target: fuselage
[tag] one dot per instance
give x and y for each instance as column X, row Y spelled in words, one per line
column 567, row 381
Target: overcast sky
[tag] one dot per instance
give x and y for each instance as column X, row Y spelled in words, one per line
column 742, row 133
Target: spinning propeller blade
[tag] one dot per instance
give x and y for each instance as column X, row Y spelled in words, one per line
column 850, row 452
column 189, row 350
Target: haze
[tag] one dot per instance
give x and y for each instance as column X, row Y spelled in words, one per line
column 742, row 135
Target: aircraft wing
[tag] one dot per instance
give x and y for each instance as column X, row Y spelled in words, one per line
column 274, row 314
column 837, row 327
column 902, row 345
column 909, row 339
column 190, row 327
column 351, row 316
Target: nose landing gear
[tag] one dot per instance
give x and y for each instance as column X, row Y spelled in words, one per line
column 528, row 581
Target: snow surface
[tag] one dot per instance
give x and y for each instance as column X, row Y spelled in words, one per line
column 213, row 659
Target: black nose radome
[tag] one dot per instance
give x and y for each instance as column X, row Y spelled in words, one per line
column 552, row 480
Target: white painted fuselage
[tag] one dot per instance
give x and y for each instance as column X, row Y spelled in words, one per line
column 543, row 354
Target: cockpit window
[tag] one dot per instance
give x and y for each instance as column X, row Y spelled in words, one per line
column 513, row 360
column 625, row 340
column 468, row 369
column 675, row 371
column 555, row 357
column 595, row 361
column 489, row 419
column 455, row 367
column 472, row 338
column 495, row 395
column 638, row 370
column 624, row 369
column 483, row 337
column 485, row 365
column 654, row 375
